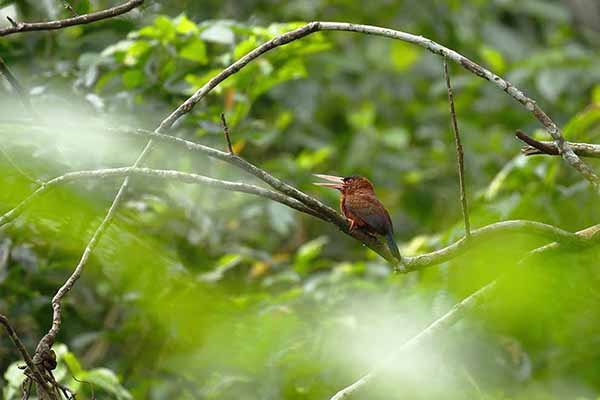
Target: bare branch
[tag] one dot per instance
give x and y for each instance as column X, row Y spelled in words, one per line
column 64, row 23
column 157, row 173
column 226, row 132
column 459, row 154
column 24, row 353
column 549, row 148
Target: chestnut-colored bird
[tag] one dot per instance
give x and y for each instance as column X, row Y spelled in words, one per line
column 360, row 205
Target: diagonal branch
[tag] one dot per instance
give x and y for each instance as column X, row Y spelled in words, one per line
column 455, row 314
column 78, row 20
column 459, row 153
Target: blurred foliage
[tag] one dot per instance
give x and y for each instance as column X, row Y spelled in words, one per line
column 195, row 293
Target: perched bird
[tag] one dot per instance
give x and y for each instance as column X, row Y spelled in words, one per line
column 360, row 205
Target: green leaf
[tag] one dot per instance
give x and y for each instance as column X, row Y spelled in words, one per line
column 195, row 50
column 134, row 78
column 403, row 55
column 72, row 363
column 184, row 25
column 136, row 51
column 107, row 380
column 493, row 58
column 308, row 252
column 163, row 30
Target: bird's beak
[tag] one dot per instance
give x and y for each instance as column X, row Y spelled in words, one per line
column 339, row 181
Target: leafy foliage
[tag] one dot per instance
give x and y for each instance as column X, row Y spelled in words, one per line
column 195, row 293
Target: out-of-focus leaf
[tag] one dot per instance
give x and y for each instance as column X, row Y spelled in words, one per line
column 404, row 55
column 194, row 50
column 107, row 381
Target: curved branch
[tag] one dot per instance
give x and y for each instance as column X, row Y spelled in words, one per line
column 488, row 232
column 78, row 20
column 157, row 173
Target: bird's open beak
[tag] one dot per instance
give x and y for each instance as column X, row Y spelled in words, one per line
column 339, row 181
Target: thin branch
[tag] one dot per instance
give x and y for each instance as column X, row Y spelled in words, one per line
column 78, row 20
column 12, row 21
column 440, row 325
column 459, row 153
column 549, row 148
column 45, row 344
column 479, row 236
column 14, row 83
column 157, row 173
column 325, row 212
column 226, row 132
column 24, row 353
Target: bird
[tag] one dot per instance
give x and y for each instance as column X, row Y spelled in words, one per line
column 363, row 209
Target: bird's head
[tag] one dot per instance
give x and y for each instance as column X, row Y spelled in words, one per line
column 346, row 185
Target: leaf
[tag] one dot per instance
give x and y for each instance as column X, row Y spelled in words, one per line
column 308, row 252
column 134, row 78
column 218, row 33
column 72, row 363
column 184, row 25
column 493, row 58
column 404, row 55
column 281, row 217
column 195, row 50
column 108, row 381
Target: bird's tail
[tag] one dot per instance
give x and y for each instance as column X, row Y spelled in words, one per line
column 392, row 245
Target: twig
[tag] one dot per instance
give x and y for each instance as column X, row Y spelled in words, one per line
column 226, row 132
column 37, row 375
column 12, row 21
column 69, row 7
column 14, row 83
column 459, row 154
column 64, row 23
column 543, row 148
column 549, row 148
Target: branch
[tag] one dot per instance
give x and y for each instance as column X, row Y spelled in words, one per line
column 157, row 173
column 549, row 148
column 459, row 310
column 24, row 353
column 78, row 20
column 459, row 153
column 226, row 132
column 441, row 324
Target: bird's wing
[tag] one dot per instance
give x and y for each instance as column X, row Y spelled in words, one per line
column 370, row 210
